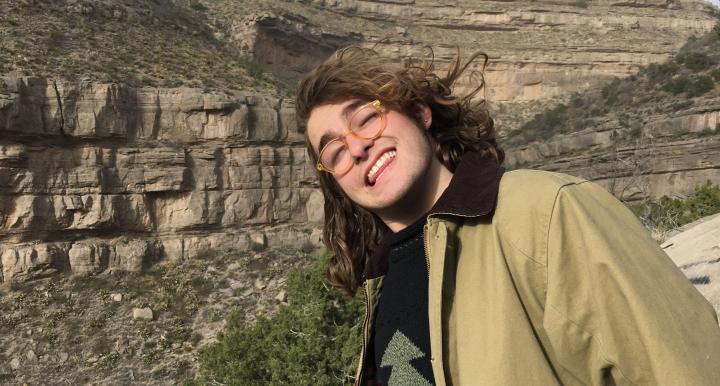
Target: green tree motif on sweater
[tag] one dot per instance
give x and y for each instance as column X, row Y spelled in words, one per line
column 400, row 351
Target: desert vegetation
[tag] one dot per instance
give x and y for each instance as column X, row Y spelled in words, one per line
column 665, row 214
column 165, row 43
column 313, row 340
column 69, row 329
column 663, row 88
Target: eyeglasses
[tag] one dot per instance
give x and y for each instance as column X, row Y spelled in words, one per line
column 367, row 122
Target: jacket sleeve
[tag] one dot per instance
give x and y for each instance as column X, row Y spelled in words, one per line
column 617, row 310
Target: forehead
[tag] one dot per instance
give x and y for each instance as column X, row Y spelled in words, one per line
column 330, row 119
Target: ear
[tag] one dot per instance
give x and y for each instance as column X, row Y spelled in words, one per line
column 425, row 115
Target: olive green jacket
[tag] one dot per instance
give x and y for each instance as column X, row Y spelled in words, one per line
column 546, row 279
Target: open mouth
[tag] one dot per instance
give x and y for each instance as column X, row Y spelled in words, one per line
column 379, row 166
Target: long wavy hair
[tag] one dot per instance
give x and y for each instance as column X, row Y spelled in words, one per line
column 460, row 123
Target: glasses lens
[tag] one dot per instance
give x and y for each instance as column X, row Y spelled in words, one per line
column 367, row 122
column 335, row 156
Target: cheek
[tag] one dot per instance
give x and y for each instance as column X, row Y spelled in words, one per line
column 350, row 186
column 344, row 184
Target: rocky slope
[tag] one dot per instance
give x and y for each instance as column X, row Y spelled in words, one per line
column 652, row 134
column 672, row 157
column 134, row 329
column 150, row 43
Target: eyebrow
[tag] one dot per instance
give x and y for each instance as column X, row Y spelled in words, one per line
column 346, row 113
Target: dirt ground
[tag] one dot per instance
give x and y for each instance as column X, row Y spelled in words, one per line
column 69, row 330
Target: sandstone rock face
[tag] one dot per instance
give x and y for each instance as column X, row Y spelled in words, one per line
column 669, row 156
column 115, row 178
column 544, row 49
column 696, row 250
column 539, row 50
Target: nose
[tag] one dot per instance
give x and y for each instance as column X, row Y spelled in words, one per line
column 358, row 147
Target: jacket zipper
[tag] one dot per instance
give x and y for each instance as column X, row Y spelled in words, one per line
column 425, row 237
column 366, row 324
column 425, row 247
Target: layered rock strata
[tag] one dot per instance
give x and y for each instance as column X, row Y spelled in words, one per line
column 666, row 156
column 101, row 177
column 539, row 50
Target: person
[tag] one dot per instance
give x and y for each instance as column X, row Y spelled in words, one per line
column 474, row 275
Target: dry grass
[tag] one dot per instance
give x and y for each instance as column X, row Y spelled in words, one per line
column 137, row 42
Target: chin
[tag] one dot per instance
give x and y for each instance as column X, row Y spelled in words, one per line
column 390, row 198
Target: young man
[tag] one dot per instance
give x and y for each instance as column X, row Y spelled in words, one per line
column 476, row 276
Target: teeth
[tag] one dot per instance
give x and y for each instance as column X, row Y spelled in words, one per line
column 380, row 162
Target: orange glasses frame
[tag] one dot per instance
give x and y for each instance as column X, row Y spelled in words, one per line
column 377, row 105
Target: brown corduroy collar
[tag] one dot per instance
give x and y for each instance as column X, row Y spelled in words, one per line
column 472, row 192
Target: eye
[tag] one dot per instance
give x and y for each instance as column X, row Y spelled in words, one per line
column 364, row 118
column 334, row 154
column 370, row 117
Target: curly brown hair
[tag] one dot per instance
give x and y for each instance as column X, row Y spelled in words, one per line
column 459, row 124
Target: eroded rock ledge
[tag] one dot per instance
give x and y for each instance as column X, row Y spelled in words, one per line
column 666, row 156
column 116, row 178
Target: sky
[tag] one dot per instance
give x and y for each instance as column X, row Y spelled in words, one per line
column 716, row 2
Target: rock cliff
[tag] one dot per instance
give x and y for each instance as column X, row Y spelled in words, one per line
column 97, row 177
column 119, row 167
column 672, row 155
column 539, row 50
column 656, row 133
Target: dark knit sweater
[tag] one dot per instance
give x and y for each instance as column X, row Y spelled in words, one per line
column 402, row 336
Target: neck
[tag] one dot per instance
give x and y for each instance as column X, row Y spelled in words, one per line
column 420, row 199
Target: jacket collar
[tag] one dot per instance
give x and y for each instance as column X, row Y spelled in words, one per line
column 472, row 192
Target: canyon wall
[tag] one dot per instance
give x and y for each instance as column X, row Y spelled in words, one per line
column 97, row 177
column 102, row 177
column 540, row 51
column 666, row 156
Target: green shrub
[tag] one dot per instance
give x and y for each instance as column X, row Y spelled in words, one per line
column 716, row 74
column 544, row 125
column 681, row 104
column 198, row 6
column 700, row 85
column 677, row 85
column 696, row 61
column 692, row 85
column 577, row 100
column 582, row 124
column 312, row 341
column 609, row 92
column 619, row 92
column 666, row 213
column 659, row 72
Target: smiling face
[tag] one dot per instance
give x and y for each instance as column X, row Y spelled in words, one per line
column 396, row 175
